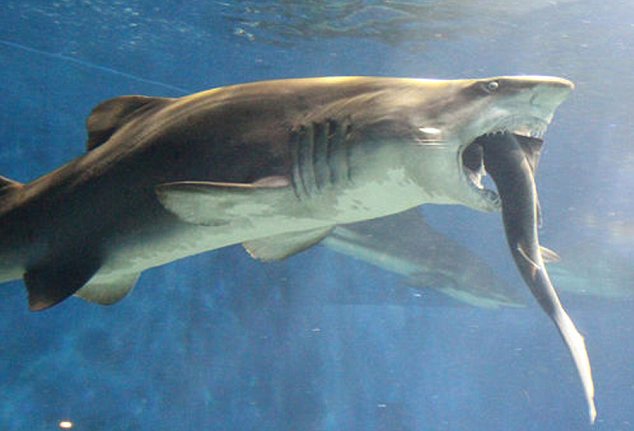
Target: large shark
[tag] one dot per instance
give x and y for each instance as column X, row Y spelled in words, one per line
column 276, row 166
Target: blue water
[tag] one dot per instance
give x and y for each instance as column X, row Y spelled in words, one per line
column 321, row 341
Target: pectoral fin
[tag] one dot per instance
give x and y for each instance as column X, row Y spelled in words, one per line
column 108, row 292
column 281, row 246
column 217, row 204
column 549, row 255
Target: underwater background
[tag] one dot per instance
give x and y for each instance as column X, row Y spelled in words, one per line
column 323, row 341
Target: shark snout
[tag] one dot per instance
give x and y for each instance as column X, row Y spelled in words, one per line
column 552, row 82
column 555, row 82
column 548, row 93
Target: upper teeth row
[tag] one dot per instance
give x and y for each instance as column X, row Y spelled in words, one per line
column 529, row 133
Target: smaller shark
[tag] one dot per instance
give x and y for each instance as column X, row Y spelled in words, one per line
column 405, row 244
column 276, row 166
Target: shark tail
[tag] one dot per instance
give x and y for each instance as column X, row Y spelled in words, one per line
column 52, row 278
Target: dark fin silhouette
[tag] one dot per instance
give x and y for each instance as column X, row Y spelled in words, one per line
column 51, row 283
column 281, row 246
column 110, row 115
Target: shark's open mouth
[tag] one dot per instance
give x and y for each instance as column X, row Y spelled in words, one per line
column 531, row 141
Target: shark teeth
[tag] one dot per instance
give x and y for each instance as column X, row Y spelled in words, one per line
column 534, row 128
column 529, row 133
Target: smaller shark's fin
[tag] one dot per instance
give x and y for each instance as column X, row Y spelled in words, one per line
column 549, row 255
column 217, row 204
column 53, row 282
column 7, row 186
column 281, row 246
column 110, row 292
column 110, row 115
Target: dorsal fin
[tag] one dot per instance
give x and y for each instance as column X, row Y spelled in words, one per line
column 110, row 115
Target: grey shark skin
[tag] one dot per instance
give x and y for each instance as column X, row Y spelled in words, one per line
column 507, row 162
column 273, row 165
column 406, row 245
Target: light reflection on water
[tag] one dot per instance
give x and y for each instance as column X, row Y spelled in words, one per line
column 410, row 23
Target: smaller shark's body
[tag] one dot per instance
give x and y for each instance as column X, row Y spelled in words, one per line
column 406, row 245
column 276, row 166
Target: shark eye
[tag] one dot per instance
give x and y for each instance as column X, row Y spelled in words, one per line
column 492, row 86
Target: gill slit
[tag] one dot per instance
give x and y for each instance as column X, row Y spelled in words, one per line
column 348, row 150
column 296, row 179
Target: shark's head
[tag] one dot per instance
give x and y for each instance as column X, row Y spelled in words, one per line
column 465, row 110
column 498, row 128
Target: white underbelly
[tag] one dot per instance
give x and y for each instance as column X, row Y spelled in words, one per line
column 367, row 201
column 137, row 254
column 378, row 187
